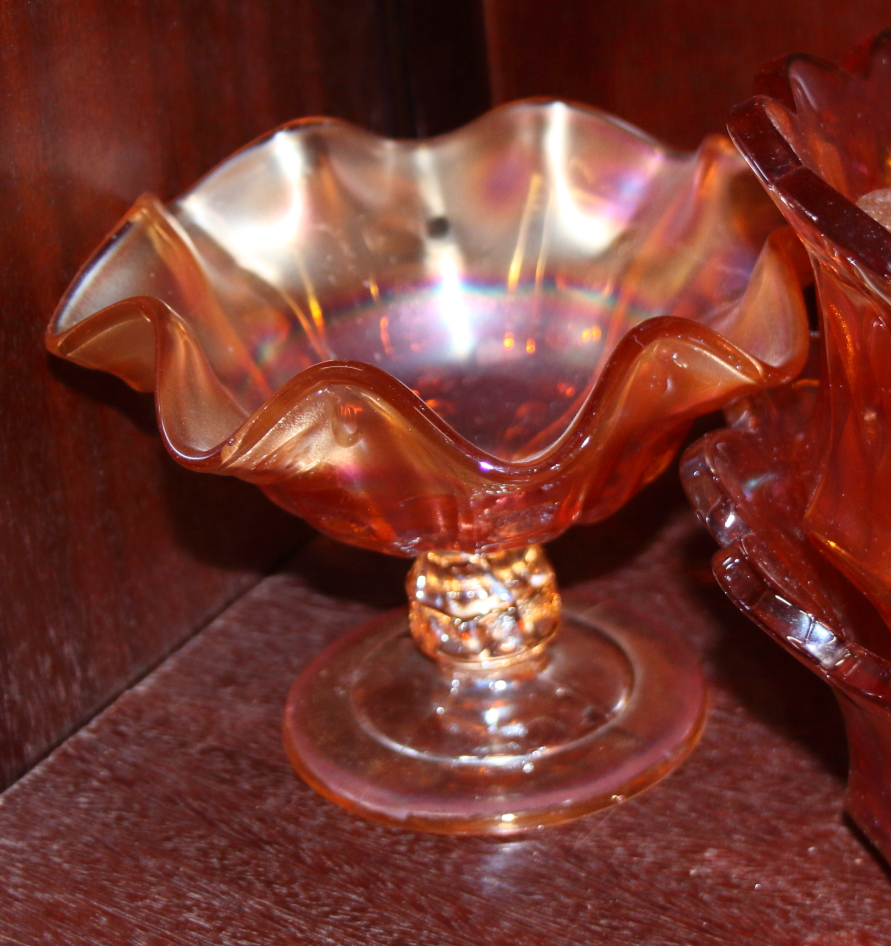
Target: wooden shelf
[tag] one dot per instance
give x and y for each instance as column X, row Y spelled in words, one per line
column 174, row 817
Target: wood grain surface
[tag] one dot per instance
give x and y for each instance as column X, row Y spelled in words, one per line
column 672, row 67
column 110, row 555
column 173, row 819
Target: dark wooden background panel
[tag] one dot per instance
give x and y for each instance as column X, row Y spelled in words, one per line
column 427, row 57
column 110, row 555
column 446, row 63
column 672, row 67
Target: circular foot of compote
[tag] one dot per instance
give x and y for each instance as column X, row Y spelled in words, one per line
column 609, row 708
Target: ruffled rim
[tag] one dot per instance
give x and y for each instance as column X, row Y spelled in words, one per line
column 175, row 342
column 864, row 241
column 746, row 579
column 241, row 435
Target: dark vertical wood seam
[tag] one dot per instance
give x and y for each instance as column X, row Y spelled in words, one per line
column 393, row 50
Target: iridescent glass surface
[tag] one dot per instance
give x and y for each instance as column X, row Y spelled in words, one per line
column 454, row 349
column 799, row 493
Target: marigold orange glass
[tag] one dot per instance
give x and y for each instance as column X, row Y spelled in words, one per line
column 799, row 491
column 454, row 349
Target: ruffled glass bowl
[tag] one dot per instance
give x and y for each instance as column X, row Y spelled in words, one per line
column 798, row 492
column 454, row 349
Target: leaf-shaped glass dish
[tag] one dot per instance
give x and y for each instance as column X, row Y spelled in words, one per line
column 798, row 493
column 455, row 348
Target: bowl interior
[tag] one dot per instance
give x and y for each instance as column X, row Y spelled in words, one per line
column 491, row 271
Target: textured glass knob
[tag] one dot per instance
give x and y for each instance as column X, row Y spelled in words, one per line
column 483, row 610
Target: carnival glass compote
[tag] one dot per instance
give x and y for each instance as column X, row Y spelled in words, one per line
column 453, row 349
column 798, row 491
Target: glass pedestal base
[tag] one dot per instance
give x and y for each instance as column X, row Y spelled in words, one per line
column 606, row 710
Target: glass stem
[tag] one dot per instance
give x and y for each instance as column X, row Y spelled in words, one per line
column 476, row 611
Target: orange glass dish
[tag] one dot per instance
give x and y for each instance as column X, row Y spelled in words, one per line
column 799, row 491
column 454, row 349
